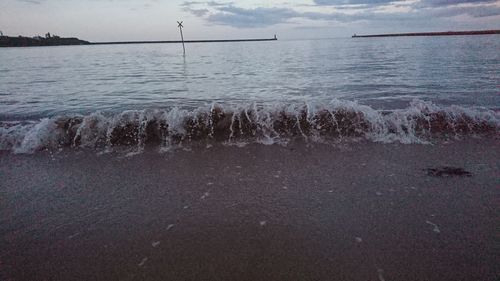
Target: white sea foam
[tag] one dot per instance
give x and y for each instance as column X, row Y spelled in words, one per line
column 277, row 123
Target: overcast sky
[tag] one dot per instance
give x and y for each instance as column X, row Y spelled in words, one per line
column 105, row 20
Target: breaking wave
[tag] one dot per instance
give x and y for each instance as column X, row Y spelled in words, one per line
column 339, row 120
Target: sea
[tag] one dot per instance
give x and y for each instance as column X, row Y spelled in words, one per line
column 404, row 89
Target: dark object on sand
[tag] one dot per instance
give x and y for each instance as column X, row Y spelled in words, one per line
column 447, row 172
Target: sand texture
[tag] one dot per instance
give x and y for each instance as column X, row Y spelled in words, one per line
column 361, row 211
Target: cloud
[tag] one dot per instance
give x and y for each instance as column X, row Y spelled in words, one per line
column 31, row 1
column 353, row 2
column 258, row 17
column 434, row 3
column 475, row 12
column 197, row 12
column 228, row 14
column 440, row 3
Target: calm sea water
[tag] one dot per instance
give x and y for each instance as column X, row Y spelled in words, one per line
column 384, row 73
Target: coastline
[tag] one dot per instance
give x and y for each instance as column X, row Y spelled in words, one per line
column 7, row 41
column 21, row 41
column 361, row 211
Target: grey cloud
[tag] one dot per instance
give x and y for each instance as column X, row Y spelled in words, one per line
column 231, row 15
column 217, row 4
column 353, row 2
column 31, row 1
column 440, row 3
column 412, row 16
column 258, row 17
column 197, row 12
column 208, row 3
column 434, row 3
column 476, row 11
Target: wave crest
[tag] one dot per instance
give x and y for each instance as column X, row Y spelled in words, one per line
column 421, row 122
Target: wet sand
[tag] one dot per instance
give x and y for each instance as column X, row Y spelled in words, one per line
column 354, row 212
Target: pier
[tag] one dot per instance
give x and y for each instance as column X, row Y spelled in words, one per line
column 447, row 33
column 185, row 41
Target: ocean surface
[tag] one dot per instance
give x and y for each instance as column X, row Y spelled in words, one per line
column 403, row 89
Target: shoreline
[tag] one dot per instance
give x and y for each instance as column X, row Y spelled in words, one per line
column 10, row 42
column 365, row 211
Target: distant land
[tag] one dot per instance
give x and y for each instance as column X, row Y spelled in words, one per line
column 446, row 33
column 53, row 40
column 48, row 40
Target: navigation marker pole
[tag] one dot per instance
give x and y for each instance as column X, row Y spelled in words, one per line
column 182, row 36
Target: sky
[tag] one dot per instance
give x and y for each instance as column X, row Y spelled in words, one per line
column 123, row 20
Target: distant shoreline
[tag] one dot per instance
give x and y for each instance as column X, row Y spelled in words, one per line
column 21, row 41
column 37, row 41
column 446, row 33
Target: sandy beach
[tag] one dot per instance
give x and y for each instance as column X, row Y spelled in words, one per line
column 359, row 211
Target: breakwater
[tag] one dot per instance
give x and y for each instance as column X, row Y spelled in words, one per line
column 186, row 41
column 447, row 33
